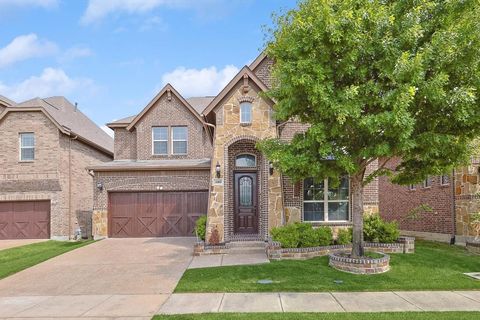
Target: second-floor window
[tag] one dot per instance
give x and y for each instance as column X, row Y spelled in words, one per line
column 160, row 140
column 27, row 146
column 179, row 140
column 245, row 112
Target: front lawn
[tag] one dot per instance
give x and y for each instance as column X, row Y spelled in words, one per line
column 434, row 266
column 328, row 316
column 17, row 259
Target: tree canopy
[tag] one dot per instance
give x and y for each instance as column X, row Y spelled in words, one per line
column 376, row 80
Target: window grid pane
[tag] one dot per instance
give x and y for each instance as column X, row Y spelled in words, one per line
column 160, row 134
column 179, row 147
column 323, row 203
column 160, row 147
column 179, row 133
column 28, row 154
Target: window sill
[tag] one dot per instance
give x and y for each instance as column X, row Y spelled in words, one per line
column 26, row 161
column 245, row 124
column 330, row 223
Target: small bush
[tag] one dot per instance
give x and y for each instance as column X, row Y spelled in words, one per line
column 201, row 227
column 377, row 230
column 287, row 235
column 302, row 235
column 344, row 236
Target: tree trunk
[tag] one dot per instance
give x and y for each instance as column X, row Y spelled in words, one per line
column 356, row 183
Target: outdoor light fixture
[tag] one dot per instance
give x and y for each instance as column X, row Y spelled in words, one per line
column 270, row 166
column 217, row 169
column 100, row 185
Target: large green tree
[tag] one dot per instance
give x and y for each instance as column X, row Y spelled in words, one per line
column 376, row 80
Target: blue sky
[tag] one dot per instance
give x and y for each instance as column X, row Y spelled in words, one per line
column 112, row 56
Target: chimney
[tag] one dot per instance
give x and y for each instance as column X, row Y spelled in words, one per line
column 76, row 106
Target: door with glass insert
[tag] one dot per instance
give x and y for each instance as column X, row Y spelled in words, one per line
column 245, row 212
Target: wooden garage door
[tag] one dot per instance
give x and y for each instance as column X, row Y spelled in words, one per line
column 25, row 220
column 155, row 214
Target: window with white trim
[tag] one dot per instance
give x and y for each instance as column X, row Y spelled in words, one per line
column 245, row 112
column 445, row 179
column 27, row 146
column 323, row 203
column 160, row 140
column 179, row 140
column 427, row 183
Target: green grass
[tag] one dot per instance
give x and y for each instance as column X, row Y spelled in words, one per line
column 17, row 259
column 434, row 266
column 328, row 316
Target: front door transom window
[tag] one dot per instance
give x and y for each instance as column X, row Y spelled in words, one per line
column 322, row 202
column 245, row 161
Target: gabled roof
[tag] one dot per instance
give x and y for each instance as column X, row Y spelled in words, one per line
column 200, row 103
column 262, row 56
column 124, row 122
column 156, row 98
column 245, row 70
column 6, row 102
column 68, row 119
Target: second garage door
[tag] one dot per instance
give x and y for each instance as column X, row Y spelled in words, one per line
column 155, row 214
column 25, row 220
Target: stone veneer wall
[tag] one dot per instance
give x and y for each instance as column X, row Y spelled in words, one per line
column 140, row 181
column 467, row 200
column 228, row 131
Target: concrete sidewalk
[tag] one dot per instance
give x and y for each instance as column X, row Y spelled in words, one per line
column 323, row 302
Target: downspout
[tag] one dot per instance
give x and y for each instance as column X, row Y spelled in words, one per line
column 70, row 186
column 454, row 215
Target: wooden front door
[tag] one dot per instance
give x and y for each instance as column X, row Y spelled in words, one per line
column 245, row 214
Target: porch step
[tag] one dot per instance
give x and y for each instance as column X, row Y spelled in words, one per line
column 246, row 246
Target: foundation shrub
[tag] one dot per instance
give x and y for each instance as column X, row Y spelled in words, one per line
column 302, row 235
column 344, row 236
column 201, row 227
column 377, row 230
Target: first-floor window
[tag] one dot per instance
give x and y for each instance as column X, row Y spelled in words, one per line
column 427, row 183
column 444, row 179
column 27, row 146
column 323, row 201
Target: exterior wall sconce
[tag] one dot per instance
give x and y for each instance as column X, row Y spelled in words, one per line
column 100, row 185
column 217, row 169
column 270, row 167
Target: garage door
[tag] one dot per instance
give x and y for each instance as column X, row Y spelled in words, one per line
column 155, row 214
column 25, row 220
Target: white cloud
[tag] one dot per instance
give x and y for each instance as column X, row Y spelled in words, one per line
column 28, row 3
column 25, row 47
column 200, row 82
column 107, row 130
column 76, row 52
column 99, row 9
column 51, row 82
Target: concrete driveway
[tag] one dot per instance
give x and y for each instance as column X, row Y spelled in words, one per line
column 108, row 279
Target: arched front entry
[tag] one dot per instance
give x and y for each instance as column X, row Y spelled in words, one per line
column 246, row 192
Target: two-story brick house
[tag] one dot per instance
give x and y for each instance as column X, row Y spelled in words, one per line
column 45, row 189
column 182, row 158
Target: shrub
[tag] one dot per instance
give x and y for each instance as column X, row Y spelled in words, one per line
column 302, row 235
column 344, row 236
column 287, row 235
column 377, row 230
column 201, row 227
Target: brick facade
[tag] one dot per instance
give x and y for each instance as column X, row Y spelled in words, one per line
column 125, row 147
column 58, row 172
column 398, row 202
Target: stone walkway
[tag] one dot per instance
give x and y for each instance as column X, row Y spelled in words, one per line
column 323, row 302
column 235, row 259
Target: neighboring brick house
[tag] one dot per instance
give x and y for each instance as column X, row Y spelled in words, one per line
column 439, row 208
column 182, row 158
column 45, row 189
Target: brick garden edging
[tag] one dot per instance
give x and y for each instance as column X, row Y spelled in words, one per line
column 473, row 247
column 276, row 252
column 359, row 266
